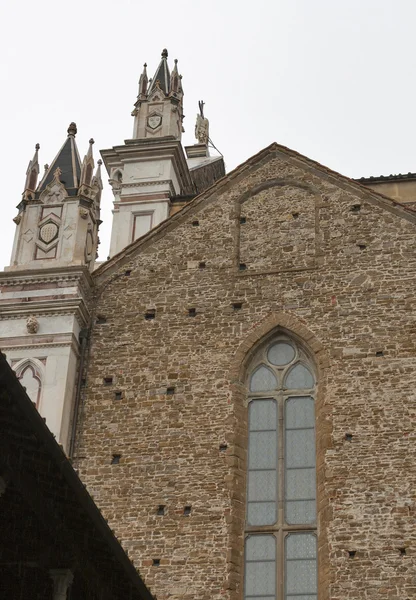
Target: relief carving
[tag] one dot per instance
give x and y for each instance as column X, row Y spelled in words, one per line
column 48, row 232
column 55, row 191
column 32, row 324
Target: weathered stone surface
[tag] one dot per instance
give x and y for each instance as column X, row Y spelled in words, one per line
column 343, row 282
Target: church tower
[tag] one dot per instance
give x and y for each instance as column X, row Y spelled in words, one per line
column 149, row 170
column 45, row 290
column 58, row 219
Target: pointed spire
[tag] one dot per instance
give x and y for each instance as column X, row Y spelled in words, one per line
column 69, row 163
column 162, row 74
column 174, row 79
column 32, row 172
column 143, row 81
column 88, row 165
column 96, row 180
column 91, row 143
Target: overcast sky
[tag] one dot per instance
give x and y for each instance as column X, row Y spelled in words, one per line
column 331, row 79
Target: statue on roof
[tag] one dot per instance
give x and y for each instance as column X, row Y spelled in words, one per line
column 202, row 125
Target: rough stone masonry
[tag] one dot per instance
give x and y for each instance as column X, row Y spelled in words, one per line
column 162, row 433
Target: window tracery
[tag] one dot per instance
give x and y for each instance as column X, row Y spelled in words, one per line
column 281, row 546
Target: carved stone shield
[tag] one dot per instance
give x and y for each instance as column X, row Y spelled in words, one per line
column 154, row 121
column 48, row 232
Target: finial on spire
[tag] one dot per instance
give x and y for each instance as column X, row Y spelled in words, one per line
column 96, row 180
column 89, row 153
column 72, row 129
column 87, row 167
column 174, row 79
column 143, row 82
column 32, row 173
column 164, row 53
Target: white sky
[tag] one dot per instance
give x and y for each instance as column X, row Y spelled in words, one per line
column 331, row 79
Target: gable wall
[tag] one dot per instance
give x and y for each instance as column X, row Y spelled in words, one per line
column 347, row 303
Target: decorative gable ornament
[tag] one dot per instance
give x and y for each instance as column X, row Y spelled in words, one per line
column 55, row 191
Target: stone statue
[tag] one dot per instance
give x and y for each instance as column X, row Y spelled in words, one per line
column 32, row 324
column 202, row 125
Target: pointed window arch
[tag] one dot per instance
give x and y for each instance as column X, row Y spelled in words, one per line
column 30, row 376
column 280, row 529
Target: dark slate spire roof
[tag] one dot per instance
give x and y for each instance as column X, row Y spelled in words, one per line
column 162, row 74
column 69, row 162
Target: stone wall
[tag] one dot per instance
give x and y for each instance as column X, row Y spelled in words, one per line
column 164, row 395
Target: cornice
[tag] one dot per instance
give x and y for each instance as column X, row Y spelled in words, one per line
column 155, row 184
column 145, row 150
column 22, row 276
column 49, row 308
column 53, row 340
column 81, row 277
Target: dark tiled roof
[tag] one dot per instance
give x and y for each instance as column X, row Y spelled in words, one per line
column 162, row 75
column 386, row 178
column 69, row 162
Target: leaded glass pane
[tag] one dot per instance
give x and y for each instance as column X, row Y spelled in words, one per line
column 300, row 478
column 262, row 413
column 299, row 378
column 301, row 545
column 301, row 571
column 260, row 569
column 262, row 486
column 260, row 578
column 262, row 449
column 300, row 484
column 281, row 354
column 300, row 448
column 260, row 547
column 262, row 462
column 261, row 513
column 300, row 512
column 263, row 380
column 300, row 412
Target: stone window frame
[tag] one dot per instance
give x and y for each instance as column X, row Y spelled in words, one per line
column 38, row 373
column 280, row 530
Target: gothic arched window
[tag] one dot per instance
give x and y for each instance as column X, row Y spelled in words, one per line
column 30, row 379
column 280, row 532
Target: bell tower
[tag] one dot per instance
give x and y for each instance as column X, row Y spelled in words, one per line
column 149, row 170
column 57, row 222
column 44, row 293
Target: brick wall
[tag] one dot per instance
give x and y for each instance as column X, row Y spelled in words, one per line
column 325, row 259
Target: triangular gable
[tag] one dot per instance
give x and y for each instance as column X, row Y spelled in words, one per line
column 256, row 161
